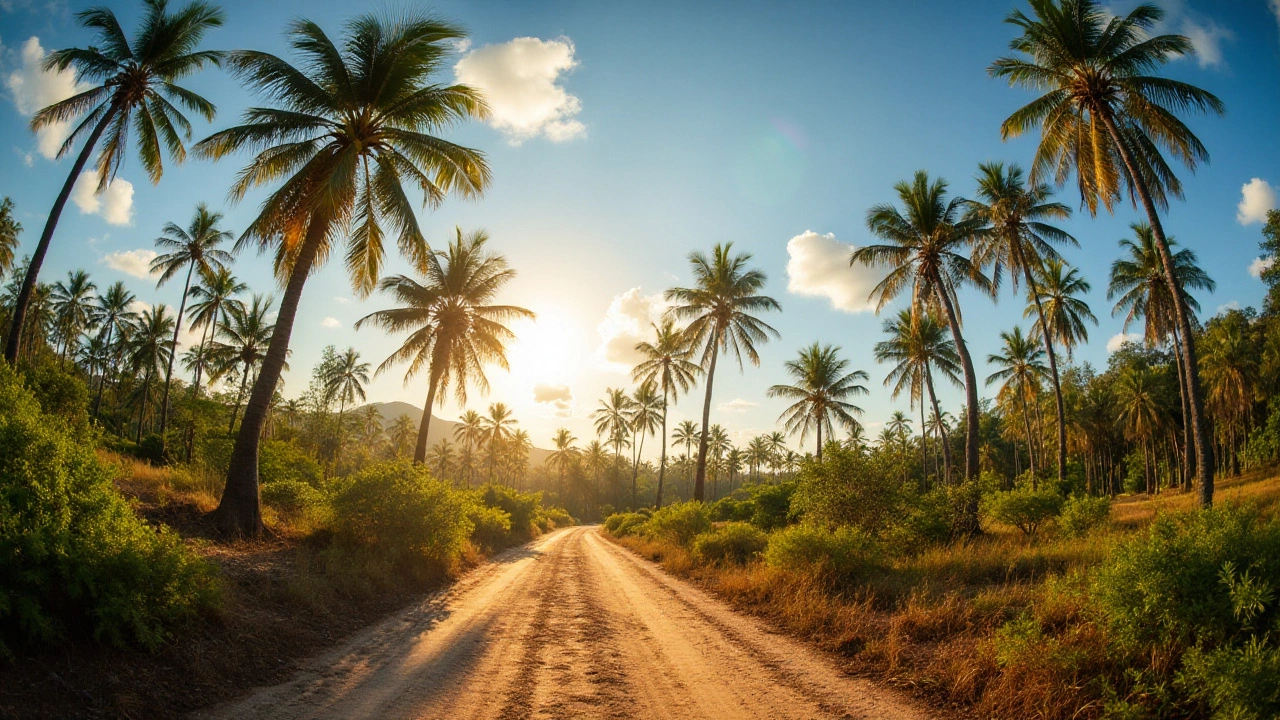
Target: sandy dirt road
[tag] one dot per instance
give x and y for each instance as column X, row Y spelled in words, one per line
column 571, row 626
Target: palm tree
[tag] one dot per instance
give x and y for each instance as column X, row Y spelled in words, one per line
column 821, row 393
column 777, row 450
column 565, row 454
column 1106, row 115
column 212, row 298
column 402, row 434
column 1020, row 367
column 470, row 432
column 757, row 455
column 1230, row 370
column 596, row 458
column 666, row 363
column 917, row 344
column 498, row 428
column 10, row 229
column 644, row 415
column 133, row 85
column 148, row 352
column 455, row 329
column 1138, row 286
column 925, row 256
column 72, row 305
column 371, row 423
column 719, row 308
column 352, row 123
column 345, row 379
column 195, row 247
column 1018, row 236
column 242, row 344
column 717, row 445
column 611, row 421
column 441, row 458
column 113, row 314
column 899, row 429
column 687, row 435
column 1141, row 410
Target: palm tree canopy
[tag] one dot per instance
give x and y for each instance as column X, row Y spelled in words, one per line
column 667, row 361
column 214, row 297
column 196, row 246
column 917, row 344
column 822, row 389
column 10, row 229
column 720, row 305
column 611, row 416
column 1138, row 283
column 345, row 379
column 243, row 340
column 1059, row 287
column 1020, row 365
column 1016, row 234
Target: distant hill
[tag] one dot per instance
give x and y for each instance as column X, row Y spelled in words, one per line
column 440, row 428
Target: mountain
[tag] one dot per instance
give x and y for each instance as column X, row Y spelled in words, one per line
column 440, row 428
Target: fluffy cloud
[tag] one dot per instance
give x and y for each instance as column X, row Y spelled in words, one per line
column 736, row 405
column 131, row 262
column 331, row 322
column 1206, row 37
column 33, row 88
column 625, row 324
column 1259, row 265
column 559, row 397
column 1118, row 340
column 818, row 266
column 115, row 204
column 1275, row 9
column 1256, row 197
column 518, row 79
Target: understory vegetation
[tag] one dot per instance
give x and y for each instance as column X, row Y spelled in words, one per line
column 1066, row 606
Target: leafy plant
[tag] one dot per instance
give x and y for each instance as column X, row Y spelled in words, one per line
column 1023, row 508
column 734, row 542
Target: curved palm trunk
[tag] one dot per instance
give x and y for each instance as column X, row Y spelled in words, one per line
column 942, row 429
column 1053, row 373
column 1204, row 448
column 700, row 480
column 1026, row 424
column 924, row 449
column 967, row 524
column 240, row 512
column 173, row 352
column 662, row 464
column 1189, row 461
column 635, row 471
column 424, row 427
column 20, row 306
column 235, row 412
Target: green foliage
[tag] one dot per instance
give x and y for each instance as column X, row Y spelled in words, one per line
column 59, row 392
column 1023, row 508
column 1082, row 513
column 771, row 505
column 844, row 554
column 732, row 508
column 847, row 489
column 1235, row 683
column 152, row 449
column 292, row 497
column 925, row 519
column 72, row 552
column 286, row 462
column 734, row 542
column 680, row 523
column 492, row 527
column 522, row 507
column 1263, row 446
column 556, row 517
column 624, row 524
column 398, row 512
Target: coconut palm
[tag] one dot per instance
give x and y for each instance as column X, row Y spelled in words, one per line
column 1141, row 409
column 721, row 309
column 925, row 256
column 352, row 122
column 242, row 344
column 686, row 434
column 1231, row 366
column 777, row 450
column 611, row 421
column 666, row 364
column 112, row 314
column 1107, row 116
column 565, row 454
column 918, row 344
column 1020, row 366
column 498, row 428
column 1018, row 236
column 148, row 352
column 440, row 459
column 757, row 455
column 645, row 417
column 470, row 432
column 211, row 300
column 596, row 458
column 194, row 247
column 72, row 306
column 345, row 379
column 821, row 393
column 10, row 229
column 718, row 446
column 402, row 433
column 455, row 328
column 132, row 90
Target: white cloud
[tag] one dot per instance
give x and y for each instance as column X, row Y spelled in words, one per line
column 518, row 79
column 331, row 322
column 138, row 306
column 625, row 324
column 736, row 405
column 115, row 204
column 341, row 300
column 1206, row 37
column 1118, row 340
column 1260, row 265
column 33, row 89
column 818, row 266
column 1275, row 10
column 1256, row 197
column 1232, row 305
column 131, row 262
column 559, row 397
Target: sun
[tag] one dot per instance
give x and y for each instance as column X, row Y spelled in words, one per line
column 547, row 350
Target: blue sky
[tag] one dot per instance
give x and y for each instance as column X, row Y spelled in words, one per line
column 628, row 134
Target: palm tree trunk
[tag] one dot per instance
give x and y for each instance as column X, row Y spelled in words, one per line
column 102, row 381
column 699, row 483
column 240, row 512
column 967, row 524
column 1204, row 450
column 662, row 464
column 1026, row 424
column 819, row 453
column 1053, row 373
column 942, row 428
column 235, row 412
column 635, row 470
column 16, row 322
column 173, row 352
column 420, row 451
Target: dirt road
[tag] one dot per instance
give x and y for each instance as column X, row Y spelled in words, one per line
column 571, row 626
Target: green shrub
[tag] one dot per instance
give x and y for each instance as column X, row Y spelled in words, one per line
column 771, row 507
column 292, row 497
column 398, row 512
column 1236, row 683
column 58, row 391
column 280, row 461
column 845, row 554
column 925, row 520
column 152, row 449
column 558, row 517
column 72, row 552
column 1023, row 508
column 732, row 508
column 680, row 522
column 735, row 542
column 1082, row 513
column 522, row 507
column 624, row 524
column 492, row 527
column 848, row 488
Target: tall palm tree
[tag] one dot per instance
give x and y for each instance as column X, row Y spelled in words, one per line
column 10, row 229
column 353, row 121
column 194, row 247
column 757, row 455
column 1106, row 115
column 565, row 454
column 1230, row 370
column 596, row 458
column 721, row 308
column 611, row 421
column 72, row 305
column 345, row 379
column 470, row 432
column 242, row 344
column 925, row 256
column 212, row 299
column 1138, row 286
column 666, row 364
column 498, row 429
column 1058, row 288
column 441, row 458
column 917, row 344
column 777, row 450
column 644, row 415
column 455, row 327
column 717, row 446
column 402, row 433
column 148, row 352
column 686, row 435
column 1019, row 366
column 112, row 314
column 821, row 393
column 1018, row 236
column 133, row 91
column 899, row 429
column 1141, row 409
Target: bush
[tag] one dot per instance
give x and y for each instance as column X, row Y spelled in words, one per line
column 925, row 520
column 523, row 508
column 1235, row 682
column 397, row 511
column 280, row 461
column 735, row 542
column 292, row 497
column 772, row 505
column 624, row 524
column 1082, row 513
column 848, row 488
column 492, row 527
column 558, row 517
column 680, row 523
column 1023, row 508
column 732, row 508
column 845, row 554
column 58, row 391
column 72, row 552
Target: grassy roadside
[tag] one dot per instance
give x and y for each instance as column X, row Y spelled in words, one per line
column 1001, row 626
